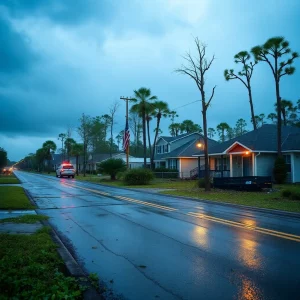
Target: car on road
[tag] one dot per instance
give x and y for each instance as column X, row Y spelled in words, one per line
column 65, row 170
column 7, row 170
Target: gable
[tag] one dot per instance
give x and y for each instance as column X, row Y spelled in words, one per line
column 237, row 148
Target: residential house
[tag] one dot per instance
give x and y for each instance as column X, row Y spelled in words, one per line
column 177, row 153
column 254, row 153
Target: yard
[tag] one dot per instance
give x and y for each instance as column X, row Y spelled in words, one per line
column 14, row 197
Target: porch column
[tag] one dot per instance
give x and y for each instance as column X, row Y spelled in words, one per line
column 198, row 166
column 230, row 165
column 292, row 167
column 222, row 167
column 253, row 165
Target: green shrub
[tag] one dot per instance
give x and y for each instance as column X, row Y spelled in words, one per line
column 292, row 193
column 286, row 193
column 112, row 167
column 138, row 177
column 201, row 183
column 280, row 170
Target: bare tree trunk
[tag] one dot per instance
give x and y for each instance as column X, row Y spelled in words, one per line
column 149, row 140
column 144, row 137
column 251, row 107
column 278, row 119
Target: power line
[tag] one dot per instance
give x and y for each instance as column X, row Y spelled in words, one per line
column 186, row 104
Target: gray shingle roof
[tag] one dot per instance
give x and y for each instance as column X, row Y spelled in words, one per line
column 263, row 139
column 170, row 139
column 187, row 149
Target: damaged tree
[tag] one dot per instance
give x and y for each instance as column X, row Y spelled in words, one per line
column 196, row 68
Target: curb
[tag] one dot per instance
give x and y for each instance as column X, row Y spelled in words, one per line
column 71, row 264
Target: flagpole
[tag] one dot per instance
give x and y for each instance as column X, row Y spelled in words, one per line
column 127, row 149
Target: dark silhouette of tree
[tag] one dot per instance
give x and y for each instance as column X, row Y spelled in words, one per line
column 77, row 150
column 113, row 109
column 244, row 76
column 273, row 52
column 69, row 143
column 272, row 117
column 141, row 98
column 84, row 130
column 161, row 109
column 221, row 129
column 48, row 146
column 196, row 68
column 174, row 129
column 240, row 127
column 211, row 132
column 3, row 158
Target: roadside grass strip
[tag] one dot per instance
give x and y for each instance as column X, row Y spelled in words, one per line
column 27, row 219
column 279, row 234
column 8, row 179
column 14, row 197
column 30, row 268
column 271, row 200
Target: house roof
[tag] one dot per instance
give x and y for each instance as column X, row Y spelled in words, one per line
column 171, row 139
column 187, row 149
column 263, row 139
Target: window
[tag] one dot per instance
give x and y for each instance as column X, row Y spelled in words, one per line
column 158, row 149
column 173, row 164
column 218, row 164
column 165, row 148
column 287, row 159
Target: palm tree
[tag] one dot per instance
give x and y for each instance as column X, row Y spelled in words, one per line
column 49, row 146
column 69, row 143
column 161, row 109
column 76, row 151
column 142, row 98
column 149, row 112
column 174, row 129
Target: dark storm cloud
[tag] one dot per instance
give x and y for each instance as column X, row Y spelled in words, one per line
column 68, row 12
column 15, row 51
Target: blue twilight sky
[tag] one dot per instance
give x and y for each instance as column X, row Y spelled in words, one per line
column 60, row 58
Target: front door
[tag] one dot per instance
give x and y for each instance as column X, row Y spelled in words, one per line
column 247, row 166
column 237, row 170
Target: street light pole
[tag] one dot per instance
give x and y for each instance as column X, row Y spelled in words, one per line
column 126, row 99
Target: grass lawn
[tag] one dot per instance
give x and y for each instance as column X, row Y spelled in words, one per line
column 8, row 179
column 14, row 197
column 188, row 188
column 271, row 200
column 30, row 268
column 29, row 219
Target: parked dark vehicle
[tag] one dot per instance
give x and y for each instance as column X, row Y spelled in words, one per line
column 247, row 183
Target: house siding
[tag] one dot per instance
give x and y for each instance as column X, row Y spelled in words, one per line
column 265, row 164
column 296, row 167
column 187, row 164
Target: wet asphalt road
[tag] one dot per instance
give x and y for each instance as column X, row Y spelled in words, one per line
column 150, row 246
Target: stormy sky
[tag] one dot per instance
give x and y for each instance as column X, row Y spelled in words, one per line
column 60, row 58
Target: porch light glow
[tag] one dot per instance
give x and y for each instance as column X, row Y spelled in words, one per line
column 199, row 145
column 247, row 152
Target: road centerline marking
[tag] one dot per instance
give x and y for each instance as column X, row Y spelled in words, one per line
column 279, row 234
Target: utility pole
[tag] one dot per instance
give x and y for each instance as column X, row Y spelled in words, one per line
column 126, row 99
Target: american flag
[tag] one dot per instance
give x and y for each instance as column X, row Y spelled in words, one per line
column 126, row 137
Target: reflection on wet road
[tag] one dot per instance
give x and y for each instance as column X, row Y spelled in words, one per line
column 149, row 246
